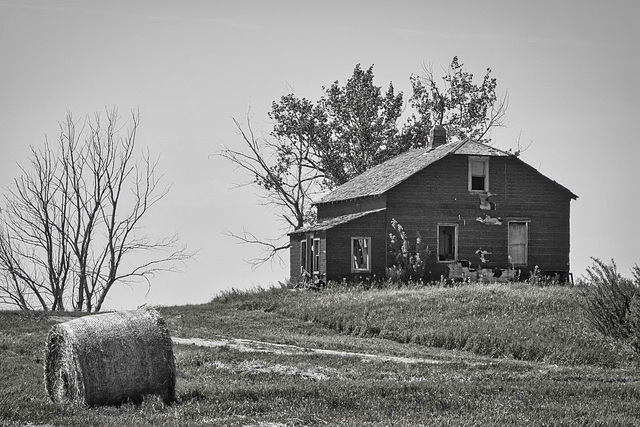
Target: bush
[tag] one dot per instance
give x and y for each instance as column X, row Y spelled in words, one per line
column 409, row 261
column 612, row 302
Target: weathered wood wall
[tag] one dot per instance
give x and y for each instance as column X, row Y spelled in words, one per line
column 439, row 194
column 339, row 246
column 295, row 255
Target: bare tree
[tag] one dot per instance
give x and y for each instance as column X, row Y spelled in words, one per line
column 71, row 220
column 287, row 171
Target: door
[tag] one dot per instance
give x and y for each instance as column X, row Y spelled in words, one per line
column 447, row 242
column 518, row 242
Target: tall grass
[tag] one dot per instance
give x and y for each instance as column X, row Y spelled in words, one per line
column 516, row 321
column 612, row 302
column 608, row 299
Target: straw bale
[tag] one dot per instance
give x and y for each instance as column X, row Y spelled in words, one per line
column 110, row 358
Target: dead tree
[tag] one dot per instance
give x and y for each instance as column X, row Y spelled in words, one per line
column 72, row 218
column 286, row 170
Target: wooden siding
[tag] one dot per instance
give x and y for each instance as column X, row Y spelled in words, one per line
column 339, row 247
column 295, row 255
column 439, row 194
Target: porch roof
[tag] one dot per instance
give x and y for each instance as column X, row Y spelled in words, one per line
column 334, row 222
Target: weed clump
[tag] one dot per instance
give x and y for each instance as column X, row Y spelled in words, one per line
column 612, row 302
column 409, row 261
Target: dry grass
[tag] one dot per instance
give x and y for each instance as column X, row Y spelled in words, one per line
column 227, row 386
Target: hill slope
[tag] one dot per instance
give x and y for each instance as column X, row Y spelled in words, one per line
column 234, row 386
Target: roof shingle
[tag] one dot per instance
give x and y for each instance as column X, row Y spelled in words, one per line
column 387, row 175
column 334, row 222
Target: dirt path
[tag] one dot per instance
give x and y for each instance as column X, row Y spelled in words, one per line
column 266, row 347
column 252, row 346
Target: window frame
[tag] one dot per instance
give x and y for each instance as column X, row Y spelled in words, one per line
column 455, row 241
column 526, row 222
column 485, row 161
column 315, row 255
column 368, row 255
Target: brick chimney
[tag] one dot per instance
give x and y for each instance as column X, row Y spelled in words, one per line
column 437, row 136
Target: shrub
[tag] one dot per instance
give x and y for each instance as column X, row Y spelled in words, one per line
column 612, row 302
column 409, row 261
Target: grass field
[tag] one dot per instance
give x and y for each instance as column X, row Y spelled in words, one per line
column 489, row 355
column 515, row 321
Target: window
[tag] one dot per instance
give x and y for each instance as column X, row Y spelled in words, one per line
column 478, row 174
column 316, row 255
column 447, row 242
column 360, row 254
column 303, row 256
column 314, row 259
column 518, row 242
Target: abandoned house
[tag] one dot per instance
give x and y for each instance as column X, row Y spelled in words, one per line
column 483, row 214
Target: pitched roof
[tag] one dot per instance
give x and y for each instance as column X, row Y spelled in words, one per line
column 334, row 222
column 387, row 175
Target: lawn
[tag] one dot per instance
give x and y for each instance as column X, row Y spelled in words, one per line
column 557, row 378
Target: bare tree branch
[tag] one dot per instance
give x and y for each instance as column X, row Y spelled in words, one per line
column 73, row 217
column 271, row 248
column 286, row 172
column 519, row 147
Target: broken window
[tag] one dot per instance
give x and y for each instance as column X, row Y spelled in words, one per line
column 316, row 255
column 360, row 254
column 518, row 242
column 478, row 174
column 447, row 242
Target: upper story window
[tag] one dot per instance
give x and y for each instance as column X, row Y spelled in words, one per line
column 479, row 174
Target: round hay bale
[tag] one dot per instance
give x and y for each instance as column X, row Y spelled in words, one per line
column 110, row 358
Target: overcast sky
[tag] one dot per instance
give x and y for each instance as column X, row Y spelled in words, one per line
column 570, row 68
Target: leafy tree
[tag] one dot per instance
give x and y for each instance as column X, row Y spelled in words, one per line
column 317, row 146
column 465, row 109
column 361, row 126
column 70, row 223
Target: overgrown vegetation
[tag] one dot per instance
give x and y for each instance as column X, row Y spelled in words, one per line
column 516, row 321
column 612, row 302
column 409, row 262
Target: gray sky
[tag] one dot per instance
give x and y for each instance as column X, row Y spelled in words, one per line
column 571, row 70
